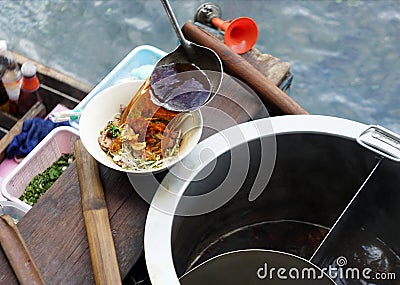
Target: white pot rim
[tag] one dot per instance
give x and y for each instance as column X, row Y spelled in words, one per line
column 158, row 228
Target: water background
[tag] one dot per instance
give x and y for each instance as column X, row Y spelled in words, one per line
column 344, row 54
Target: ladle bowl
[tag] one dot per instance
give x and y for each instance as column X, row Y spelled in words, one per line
column 190, row 53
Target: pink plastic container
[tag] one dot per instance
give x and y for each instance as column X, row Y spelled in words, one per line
column 58, row 141
column 8, row 164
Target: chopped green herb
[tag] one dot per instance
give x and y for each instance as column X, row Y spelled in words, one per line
column 114, row 130
column 43, row 181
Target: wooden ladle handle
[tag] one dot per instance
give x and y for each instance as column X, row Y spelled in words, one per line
column 273, row 97
column 95, row 214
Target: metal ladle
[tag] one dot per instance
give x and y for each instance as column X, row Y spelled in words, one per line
column 187, row 52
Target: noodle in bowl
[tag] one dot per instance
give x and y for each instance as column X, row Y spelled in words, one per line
column 103, row 108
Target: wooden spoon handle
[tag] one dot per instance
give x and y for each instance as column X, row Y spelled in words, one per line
column 273, row 97
column 95, row 213
column 17, row 253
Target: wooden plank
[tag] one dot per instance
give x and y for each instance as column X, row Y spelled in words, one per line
column 95, row 214
column 17, row 253
column 7, row 121
column 59, row 80
column 235, row 100
column 3, row 132
column 37, row 110
column 46, row 81
column 52, row 99
column 55, row 233
column 272, row 67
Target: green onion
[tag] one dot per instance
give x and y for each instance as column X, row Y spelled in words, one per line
column 43, row 181
column 114, row 130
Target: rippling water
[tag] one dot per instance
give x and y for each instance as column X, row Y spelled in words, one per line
column 344, row 54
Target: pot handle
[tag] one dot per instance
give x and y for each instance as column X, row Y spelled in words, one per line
column 381, row 141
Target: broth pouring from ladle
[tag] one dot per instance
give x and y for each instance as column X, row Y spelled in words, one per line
column 188, row 77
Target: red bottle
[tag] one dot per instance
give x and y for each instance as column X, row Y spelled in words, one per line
column 4, row 102
column 29, row 89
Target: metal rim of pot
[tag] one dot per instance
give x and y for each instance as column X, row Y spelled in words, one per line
column 158, row 228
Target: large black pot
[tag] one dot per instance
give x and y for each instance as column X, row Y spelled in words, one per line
column 317, row 170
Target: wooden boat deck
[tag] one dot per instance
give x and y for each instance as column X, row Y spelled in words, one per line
column 54, row 228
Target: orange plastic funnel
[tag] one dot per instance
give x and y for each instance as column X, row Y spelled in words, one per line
column 240, row 34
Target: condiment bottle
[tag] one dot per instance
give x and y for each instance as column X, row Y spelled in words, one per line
column 4, row 104
column 29, row 88
column 3, row 59
column 12, row 81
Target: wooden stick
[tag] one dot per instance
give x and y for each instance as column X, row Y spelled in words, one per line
column 17, row 253
column 95, row 213
column 273, row 97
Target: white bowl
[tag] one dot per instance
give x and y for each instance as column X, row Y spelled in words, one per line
column 105, row 104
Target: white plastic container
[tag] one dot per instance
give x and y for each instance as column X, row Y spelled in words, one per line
column 13, row 209
column 137, row 65
column 58, row 141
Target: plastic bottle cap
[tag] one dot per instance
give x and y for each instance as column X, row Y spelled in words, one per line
column 28, row 69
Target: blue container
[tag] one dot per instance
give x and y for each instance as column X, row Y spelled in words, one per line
column 138, row 64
